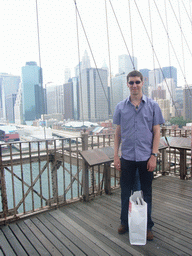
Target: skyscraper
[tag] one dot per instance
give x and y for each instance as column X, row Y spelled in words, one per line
column 93, row 95
column 170, row 72
column 85, row 61
column 10, row 103
column 157, row 76
column 127, row 63
column 33, row 95
column 169, row 85
column 145, row 73
column 68, row 100
column 18, row 108
column 76, row 110
column 67, row 75
column 119, row 90
column 9, row 85
column 187, row 102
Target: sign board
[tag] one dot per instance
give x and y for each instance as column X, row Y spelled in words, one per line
column 163, row 143
column 179, row 142
column 98, row 155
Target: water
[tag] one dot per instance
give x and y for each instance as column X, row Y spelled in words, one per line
column 44, row 185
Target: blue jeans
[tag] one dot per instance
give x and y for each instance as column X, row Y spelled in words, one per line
column 128, row 174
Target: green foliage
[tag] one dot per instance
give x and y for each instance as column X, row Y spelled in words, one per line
column 179, row 121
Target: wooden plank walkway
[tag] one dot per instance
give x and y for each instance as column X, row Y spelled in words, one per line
column 91, row 228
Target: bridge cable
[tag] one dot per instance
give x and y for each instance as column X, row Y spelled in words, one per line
column 41, row 77
column 180, row 28
column 168, row 42
column 79, row 59
column 171, row 44
column 188, row 14
column 130, row 21
column 122, row 34
column 91, row 53
column 109, row 55
column 151, row 29
column 183, row 53
column 154, row 53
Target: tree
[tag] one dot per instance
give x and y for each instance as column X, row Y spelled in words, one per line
column 180, row 121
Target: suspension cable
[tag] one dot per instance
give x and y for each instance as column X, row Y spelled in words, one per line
column 130, row 21
column 79, row 59
column 190, row 18
column 183, row 53
column 122, row 34
column 155, row 54
column 109, row 55
column 40, row 73
column 180, row 28
column 91, row 53
column 151, row 29
column 171, row 44
column 168, row 43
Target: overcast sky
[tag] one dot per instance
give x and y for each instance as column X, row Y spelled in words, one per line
column 58, row 35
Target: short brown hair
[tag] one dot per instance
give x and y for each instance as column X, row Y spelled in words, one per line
column 135, row 73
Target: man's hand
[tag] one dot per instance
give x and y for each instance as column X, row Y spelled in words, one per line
column 151, row 164
column 117, row 163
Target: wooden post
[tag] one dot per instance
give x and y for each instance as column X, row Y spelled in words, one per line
column 182, row 164
column 107, row 178
column 85, row 169
column 3, row 187
column 54, row 181
column 164, row 154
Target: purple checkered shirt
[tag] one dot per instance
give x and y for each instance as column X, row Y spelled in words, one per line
column 137, row 127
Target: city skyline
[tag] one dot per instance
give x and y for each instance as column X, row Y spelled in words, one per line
column 58, row 35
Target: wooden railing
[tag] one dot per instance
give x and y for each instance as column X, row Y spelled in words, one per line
column 40, row 175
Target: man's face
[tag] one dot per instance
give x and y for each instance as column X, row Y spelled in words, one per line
column 135, row 85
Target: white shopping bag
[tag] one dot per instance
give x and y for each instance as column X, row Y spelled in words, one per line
column 137, row 219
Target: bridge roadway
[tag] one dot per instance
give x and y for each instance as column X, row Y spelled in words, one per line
column 91, row 228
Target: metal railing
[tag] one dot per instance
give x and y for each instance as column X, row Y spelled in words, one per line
column 40, row 175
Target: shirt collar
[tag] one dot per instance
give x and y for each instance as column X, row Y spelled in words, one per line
column 144, row 98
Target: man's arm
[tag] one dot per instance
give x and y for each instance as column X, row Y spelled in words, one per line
column 151, row 165
column 117, row 162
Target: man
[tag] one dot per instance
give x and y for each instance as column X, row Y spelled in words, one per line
column 138, row 120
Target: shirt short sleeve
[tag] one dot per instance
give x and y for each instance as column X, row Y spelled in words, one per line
column 157, row 116
column 117, row 116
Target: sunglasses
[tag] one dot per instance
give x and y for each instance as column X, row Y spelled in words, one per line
column 136, row 82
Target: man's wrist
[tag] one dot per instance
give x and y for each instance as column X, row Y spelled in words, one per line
column 154, row 154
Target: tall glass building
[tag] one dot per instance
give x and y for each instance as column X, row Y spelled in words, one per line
column 9, row 85
column 33, row 96
column 127, row 63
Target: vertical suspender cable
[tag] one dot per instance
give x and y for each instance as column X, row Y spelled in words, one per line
column 130, row 21
column 188, row 14
column 105, row 93
column 186, row 84
column 109, row 54
column 180, row 28
column 152, row 46
column 153, row 53
column 181, row 37
column 79, row 59
column 41, row 78
column 122, row 34
column 168, row 43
